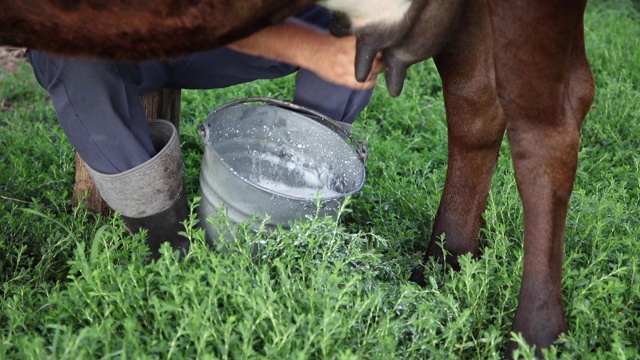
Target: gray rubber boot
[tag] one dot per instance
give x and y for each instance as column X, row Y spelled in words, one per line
column 151, row 196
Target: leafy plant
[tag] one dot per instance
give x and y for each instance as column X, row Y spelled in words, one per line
column 76, row 285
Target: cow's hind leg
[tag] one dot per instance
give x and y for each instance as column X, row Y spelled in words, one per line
column 546, row 88
column 475, row 130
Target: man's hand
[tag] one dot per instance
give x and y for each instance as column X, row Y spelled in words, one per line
column 299, row 44
column 335, row 61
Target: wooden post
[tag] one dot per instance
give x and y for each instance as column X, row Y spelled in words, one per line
column 162, row 104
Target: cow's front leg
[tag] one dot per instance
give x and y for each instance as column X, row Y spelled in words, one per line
column 476, row 126
column 546, row 89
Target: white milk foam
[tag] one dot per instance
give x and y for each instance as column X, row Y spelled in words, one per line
column 288, row 176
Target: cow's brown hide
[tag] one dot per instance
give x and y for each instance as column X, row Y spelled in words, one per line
column 135, row 29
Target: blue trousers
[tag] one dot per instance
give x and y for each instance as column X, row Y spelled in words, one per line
column 99, row 108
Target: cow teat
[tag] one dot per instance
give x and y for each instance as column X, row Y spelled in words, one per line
column 377, row 24
column 406, row 31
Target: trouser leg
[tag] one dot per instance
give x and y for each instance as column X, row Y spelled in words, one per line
column 98, row 106
column 224, row 67
column 336, row 102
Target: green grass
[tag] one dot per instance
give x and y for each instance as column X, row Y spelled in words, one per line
column 75, row 285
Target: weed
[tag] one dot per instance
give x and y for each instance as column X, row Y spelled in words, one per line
column 76, row 284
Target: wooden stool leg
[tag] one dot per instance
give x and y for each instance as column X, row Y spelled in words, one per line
column 162, row 104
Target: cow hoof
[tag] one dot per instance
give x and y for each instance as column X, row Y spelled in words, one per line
column 417, row 276
column 540, row 320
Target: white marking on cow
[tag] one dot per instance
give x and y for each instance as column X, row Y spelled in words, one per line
column 367, row 12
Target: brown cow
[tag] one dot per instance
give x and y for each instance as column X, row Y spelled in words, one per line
column 135, row 29
column 518, row 67
column 514, row 66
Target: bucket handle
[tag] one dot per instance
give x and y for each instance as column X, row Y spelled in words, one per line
column 360, row 146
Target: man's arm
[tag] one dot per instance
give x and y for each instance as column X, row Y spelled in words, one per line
column 301, row 45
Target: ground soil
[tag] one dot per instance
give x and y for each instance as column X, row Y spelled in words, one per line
column 10, row 57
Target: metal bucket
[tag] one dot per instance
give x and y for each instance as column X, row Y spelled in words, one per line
column 277, row 160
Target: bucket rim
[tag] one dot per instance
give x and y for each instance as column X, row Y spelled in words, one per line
column 359, row 150
column 359, row 146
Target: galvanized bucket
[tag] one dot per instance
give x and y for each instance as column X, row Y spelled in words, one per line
column 273, row 162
